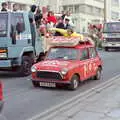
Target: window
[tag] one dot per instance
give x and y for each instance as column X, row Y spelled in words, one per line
column 92, row 53
column 77, row 8
column 89, row 9
column 3, row 24
column 63, row 53
column 18, row 22
column 115, row 15
column 84, row 54
column 115, row 3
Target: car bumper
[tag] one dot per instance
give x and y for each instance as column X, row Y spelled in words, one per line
column 115, row 45
column 5, row 63
column 1, row 105
column 53, row 81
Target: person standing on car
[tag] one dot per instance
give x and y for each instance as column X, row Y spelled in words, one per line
column 4, row 6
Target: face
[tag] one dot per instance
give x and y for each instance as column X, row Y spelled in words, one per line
column 66, row 21
column 69, row 32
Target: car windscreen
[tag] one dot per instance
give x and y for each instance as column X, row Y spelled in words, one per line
column 112, row 27
column 3, row 24
column 62, row 53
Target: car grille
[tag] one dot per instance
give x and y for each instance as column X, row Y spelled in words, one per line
column 49, row 75
column 113, row 39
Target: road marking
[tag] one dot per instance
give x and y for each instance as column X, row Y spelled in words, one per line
column 54, row 110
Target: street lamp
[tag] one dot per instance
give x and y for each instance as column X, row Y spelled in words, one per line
column 105, row 10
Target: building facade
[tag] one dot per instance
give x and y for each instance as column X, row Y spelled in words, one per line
column 83, row 12
column 23, row 4
column 87, row 12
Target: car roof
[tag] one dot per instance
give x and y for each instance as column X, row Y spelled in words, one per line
column 79, row 46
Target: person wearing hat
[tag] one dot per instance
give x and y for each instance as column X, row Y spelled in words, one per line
column 4, row 6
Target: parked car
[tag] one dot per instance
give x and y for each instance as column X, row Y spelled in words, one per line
column 67, row 65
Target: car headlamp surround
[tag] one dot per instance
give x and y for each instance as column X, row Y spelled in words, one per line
column 64, row 71
column 33, row 69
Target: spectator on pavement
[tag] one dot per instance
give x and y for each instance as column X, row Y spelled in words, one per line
column 4, row 6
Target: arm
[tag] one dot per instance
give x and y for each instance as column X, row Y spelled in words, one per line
column 62, row 31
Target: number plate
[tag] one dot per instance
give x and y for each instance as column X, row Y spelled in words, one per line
column 46, row 84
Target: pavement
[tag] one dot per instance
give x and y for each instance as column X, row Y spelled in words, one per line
column 99, row 103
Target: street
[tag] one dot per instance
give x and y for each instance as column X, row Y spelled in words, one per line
column 23, row 101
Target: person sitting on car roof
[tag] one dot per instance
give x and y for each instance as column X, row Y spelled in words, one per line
column 67, row 33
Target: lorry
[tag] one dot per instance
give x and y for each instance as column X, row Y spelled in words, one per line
column 111, row 35
column 16, row 50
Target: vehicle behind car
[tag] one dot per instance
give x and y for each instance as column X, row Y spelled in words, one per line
column 111, row 32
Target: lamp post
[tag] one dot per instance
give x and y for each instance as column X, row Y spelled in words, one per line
column 105, row 10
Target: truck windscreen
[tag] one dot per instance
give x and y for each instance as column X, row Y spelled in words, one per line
column 3, row 24
column 112, row 27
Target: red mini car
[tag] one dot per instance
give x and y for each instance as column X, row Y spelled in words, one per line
column 67, row 65
column 1, row 96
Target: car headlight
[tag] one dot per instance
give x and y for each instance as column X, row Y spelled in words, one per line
column 33, row 69
column 64, row 71
column 3, row 55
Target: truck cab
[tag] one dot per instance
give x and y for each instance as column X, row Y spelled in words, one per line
column 16, row 49
column 111, row 32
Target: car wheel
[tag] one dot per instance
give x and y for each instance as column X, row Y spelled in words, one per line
column 98, row 74
column 35, row 84
column 25, row 68
column 74, row 83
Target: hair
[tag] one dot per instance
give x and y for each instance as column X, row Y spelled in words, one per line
column 67, row 19
column 33, row 8
column 70, row 29
column 14, row 5
column 49, row 12
column 4, row 4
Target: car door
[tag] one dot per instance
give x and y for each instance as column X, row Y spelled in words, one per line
column 93, row 61
column 84, row 62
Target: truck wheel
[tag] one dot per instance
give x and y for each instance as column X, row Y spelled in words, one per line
column 35, row 84
column 74, row 83
column 25, row 68
column 98, row 74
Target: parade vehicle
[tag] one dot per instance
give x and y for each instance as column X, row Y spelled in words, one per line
column 111, row 32
column 68, row 62
column 1, row 96
column 16, row 50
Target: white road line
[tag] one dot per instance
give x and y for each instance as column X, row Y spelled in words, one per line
column 48, row 113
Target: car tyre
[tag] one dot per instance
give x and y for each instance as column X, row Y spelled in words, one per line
column 98, row 74
column 35, row 84
column 74, row 83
